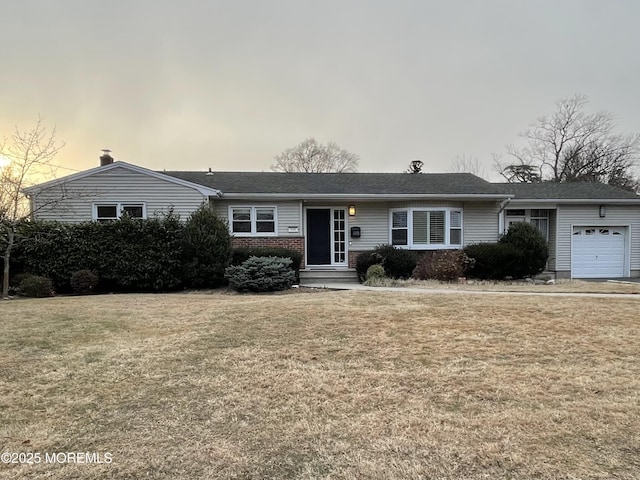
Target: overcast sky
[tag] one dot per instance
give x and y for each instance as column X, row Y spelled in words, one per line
column 230, row 84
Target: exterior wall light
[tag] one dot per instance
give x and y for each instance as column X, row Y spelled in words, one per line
column 352, row 210
column 602, row 211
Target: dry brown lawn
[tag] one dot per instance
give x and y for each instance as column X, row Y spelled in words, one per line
column 335, row 385
column 561, row 286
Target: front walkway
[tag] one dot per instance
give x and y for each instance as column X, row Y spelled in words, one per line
column 454, row 291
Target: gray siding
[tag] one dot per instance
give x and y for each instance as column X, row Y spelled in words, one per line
column 115, row 185
column 287, row 212
column 373, row 220
column 587, row 215
column 480, row 222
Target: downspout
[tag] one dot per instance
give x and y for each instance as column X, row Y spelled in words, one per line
column 503, row 205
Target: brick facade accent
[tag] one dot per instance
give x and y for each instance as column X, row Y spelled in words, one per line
column 352, row 258
column 294, row 243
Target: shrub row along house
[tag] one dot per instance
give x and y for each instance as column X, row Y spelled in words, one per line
column 593, row 229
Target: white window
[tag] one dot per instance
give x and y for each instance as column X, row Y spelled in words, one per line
column 256, row 221
column 424, row 228
column 107, row 211
column 539, row 218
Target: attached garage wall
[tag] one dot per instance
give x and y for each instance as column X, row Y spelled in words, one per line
column 587, row 216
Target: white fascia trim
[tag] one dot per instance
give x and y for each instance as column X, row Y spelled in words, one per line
column 206, row 191
column 360, row 196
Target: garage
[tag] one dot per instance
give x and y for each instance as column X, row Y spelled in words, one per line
column 598, row 252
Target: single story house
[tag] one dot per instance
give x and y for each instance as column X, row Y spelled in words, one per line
column 593, row 229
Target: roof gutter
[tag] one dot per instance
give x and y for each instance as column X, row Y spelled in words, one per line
column 504, row 204
column 363, row 196
column 580, row 201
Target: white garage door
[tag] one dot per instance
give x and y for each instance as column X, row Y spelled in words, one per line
column 597, row 252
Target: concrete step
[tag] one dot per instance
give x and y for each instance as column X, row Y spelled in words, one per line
column 321, row 277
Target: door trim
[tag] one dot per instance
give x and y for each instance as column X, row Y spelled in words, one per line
column 332, row 242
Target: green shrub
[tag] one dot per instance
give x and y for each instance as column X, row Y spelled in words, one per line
column 375, row 271
column 84, row 281
column 127, row 255
column 242, row 254
column 443, row 265
column 492, row 261
column 397, row 262
column 261, row 274
column 206, row 249
column 533, row 248
column 36, row 286
column 363, row 261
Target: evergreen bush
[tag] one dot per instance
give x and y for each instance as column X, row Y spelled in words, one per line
column 206, row 249
column 242, row 254
column 261, row 274
column 533, row 248
column 36, row 286
column 397, row 262
column 84, row 281
column 492, row 261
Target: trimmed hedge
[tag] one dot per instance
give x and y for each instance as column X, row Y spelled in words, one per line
column 443, row 265
column 521, row 252
column 36, row 286
column 242, row 254
column 493, row 261
column 127, row 255
column 397, row 262
column 261, row 274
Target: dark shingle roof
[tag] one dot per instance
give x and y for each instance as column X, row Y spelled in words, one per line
column 342, row 183
column 564, row 191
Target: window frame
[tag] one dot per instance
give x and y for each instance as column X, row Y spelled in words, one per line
column 527, row 215
column 411, row 245
column 253, row 219
column 120, row 206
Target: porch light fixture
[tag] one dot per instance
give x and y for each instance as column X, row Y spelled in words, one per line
column 602, row 211
column 352, row 210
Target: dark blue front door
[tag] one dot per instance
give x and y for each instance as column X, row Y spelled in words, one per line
column 319, row 236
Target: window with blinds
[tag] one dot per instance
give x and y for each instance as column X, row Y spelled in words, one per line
column 424, row 228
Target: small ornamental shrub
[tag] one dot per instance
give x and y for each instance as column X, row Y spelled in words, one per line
column 492, row 261
column 443, row 265
column 261, row 274
column 375, row 271
column 36, row 286
column 84, row 281
column 242, row 254
column 533, row 248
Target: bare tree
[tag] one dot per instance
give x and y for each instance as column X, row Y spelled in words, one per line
column 467, row 164
column 29, row 159
column 312, row 157
column 572, row 145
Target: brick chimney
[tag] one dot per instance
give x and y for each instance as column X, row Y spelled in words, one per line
column 106, row 158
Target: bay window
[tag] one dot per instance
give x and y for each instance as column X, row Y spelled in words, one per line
column 426, row 228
